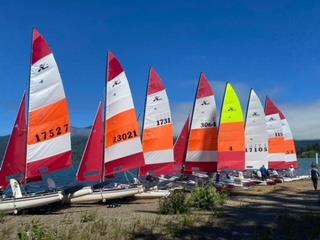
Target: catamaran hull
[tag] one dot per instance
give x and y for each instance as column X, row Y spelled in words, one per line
column 14, row 205
column 152, row 194
column 98, row 196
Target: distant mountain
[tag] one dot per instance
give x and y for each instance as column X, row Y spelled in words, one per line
column 75, row 131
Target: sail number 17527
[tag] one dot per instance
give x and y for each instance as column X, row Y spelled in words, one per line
column 47, row 134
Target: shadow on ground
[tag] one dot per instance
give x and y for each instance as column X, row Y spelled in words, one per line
column 279, row 214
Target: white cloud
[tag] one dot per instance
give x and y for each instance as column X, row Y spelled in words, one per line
column 304, row 119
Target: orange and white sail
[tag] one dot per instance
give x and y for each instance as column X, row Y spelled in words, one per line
column 123, row 148
column 276, row 156
column 157, row 138
column 288, row 146
column 202, row 143
column 49, row 139
column 256, row 134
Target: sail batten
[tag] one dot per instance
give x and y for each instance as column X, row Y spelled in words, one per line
column 231, row 138
column 122, row 147
column 202, row 143
column 49, row 139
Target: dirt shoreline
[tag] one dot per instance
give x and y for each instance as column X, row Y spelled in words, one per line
column 247, row 211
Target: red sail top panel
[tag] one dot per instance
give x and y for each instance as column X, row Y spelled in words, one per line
column 114, row 66
column 271, row 108
column 204, row 89
column 14, row 162
column 155, row 82
column 40, row 47
column 90, row 169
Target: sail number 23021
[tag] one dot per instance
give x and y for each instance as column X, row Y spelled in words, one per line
column 44, row 135
column 125, row 136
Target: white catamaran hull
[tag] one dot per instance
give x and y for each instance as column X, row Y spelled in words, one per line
column 106, row 194
column 13, row 205
column 153, row 194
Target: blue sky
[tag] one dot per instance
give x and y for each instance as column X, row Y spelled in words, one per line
column 272, row 46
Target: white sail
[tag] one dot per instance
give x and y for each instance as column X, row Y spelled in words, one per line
column 256, row 134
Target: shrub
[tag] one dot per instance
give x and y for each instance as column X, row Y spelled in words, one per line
column 88, row 217
column 36, row 231
column 207, row 198
column 175, row 203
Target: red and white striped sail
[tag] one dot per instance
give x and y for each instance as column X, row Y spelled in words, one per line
column 14, row 161
column 180, row 147
column 289, row 144
column 202, row 143
column 49, row 140
column 123, row 148
column 276, row 156
column 91, row 166
column 256, row 134
column 157, row 138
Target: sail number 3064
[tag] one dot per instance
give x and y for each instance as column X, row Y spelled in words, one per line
column 51, row 133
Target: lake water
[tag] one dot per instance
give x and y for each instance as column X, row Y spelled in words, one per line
column 67, row 178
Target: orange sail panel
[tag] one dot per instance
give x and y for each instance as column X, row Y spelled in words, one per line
column 231, row 140
column 91, row 166
column 49, row 140
column 288, row 144
column 157, row 130
column 180, row 147
column 202, row 142
column 14, row 161
column 123, row 148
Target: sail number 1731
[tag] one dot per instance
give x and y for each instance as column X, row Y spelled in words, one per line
column 47, row 134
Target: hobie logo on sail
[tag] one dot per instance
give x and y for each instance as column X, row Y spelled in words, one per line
column 42, row 67
column 157, row 98
column 231, row 109
column 204, row 103
column 255, row 114
column 117, row 82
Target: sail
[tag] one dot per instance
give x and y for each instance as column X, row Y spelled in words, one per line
column 49, row 140
column 202, row 143
column 256, row 134
column 14, row 161
column 289, row 148
column 180, row 147
column 123, row 148
column 157, row 138
column 91, row 166
column 231, row 139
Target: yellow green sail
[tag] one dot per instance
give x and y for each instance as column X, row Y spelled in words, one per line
column 231, row 111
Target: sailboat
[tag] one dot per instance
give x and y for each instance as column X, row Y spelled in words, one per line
column 157, row 138
column 231, row 139
column 48, row 140
column 114, row 145
column 256, row 134
column 14, row 161
column 202, row 143
column 276, row 156
column 180, row 146
column 290, row 156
